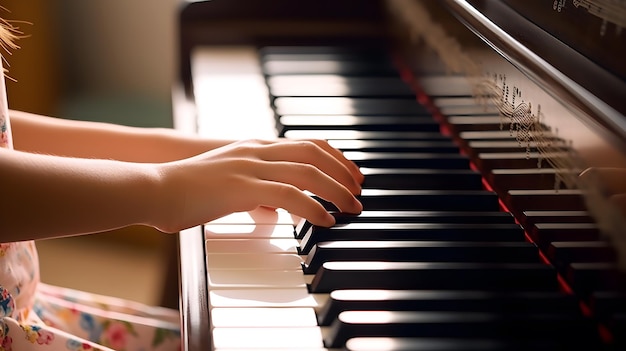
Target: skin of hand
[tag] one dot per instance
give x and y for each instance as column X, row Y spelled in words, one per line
column 612, row 179
column 163, row 179
column 248, row 174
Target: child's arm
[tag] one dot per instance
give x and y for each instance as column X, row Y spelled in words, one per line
column 61, row 137
column 48, row 135
column 49, row 196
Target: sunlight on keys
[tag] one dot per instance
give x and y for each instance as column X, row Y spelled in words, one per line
column 229, row 229
column 234, row 103
column 380, row 317
column 291, row 297
column 380, row 295
column 261, row 215
column 371, row 344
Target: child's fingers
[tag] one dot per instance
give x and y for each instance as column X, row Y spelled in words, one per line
column 307, row 152
column 352, row 167
column 308, row 177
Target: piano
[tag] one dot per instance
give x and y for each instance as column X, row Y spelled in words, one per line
column 493, row 140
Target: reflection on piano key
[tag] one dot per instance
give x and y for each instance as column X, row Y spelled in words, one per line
column 336, row 85
column 424, row 251
column 433, row 275
column 352, row 324
column 444, row 344
column 444, row 300
column 453, row 232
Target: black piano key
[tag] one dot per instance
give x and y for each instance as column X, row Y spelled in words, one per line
column 545, row 233
column 606, row 303
column 445, row 300
column 452, row 200
column 456, row 344
column 617, row 326
column 351, row 324
column 424, row 217
column 477, row 147
column 411, row 232
column 416, row 178
column 412, row 217
column 419, row 251
column 565, row 199
column 346, row 67
column 533, row 217
column 337, row 85
column 433, row 275
column 507, row 160
column 327, row 60
column 562, row 253
column 437, row 146
column 526, row 178
column 504, row 136
column 464, row 106
column 446, row 85
column 365, row 123
column 477, row 123
column 585, row 278
column 408, row 160
column 335, row 52
column 365, row 135
column 348, row 106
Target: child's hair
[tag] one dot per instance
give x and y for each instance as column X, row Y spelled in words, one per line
column 8, row 35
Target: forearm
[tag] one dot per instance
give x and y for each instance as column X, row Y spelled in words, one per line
column 49, row 196
column 47, row 135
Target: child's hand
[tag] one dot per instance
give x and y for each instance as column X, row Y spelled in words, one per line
column 244, row 175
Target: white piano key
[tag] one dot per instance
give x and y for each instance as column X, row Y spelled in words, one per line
column 288, row 297
column 248, row 231
column 263, row 317
column 289, row 246
column 246, row 279
column 268, row 338
column 260, row 215
column 253, row 261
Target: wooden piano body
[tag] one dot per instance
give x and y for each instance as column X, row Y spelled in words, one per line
column 531, row 100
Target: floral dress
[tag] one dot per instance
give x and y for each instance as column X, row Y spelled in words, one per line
column 35, row 316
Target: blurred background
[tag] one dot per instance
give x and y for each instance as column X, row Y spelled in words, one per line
column 110, row 61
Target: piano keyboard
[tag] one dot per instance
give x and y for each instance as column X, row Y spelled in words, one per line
column 436, row 261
